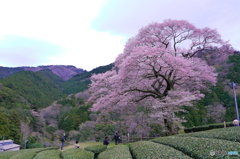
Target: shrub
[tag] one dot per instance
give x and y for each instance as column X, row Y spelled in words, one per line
column 207, row 127
column 48, row 154
column 230, row 133
column 200, row 147
column 116, row 152
column 35, row 145
column 147, row 149
column 77, row 154
column 96, row 148
column 51, row 129
column 28, row 153
column 8, row 154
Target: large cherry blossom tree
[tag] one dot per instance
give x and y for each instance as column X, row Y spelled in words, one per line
column 159, row 69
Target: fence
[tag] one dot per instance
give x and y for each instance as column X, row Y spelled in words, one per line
column 128, row 139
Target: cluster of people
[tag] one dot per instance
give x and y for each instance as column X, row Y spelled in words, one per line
column 116, row 138
column 63, row 139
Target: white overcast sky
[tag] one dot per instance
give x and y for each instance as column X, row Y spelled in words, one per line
column 91, row 33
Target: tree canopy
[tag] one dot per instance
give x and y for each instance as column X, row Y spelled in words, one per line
column 159, row 69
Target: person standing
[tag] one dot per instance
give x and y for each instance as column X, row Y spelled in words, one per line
column 63, row 139
column 116, row 138
column 105, row 141
column 235, row 122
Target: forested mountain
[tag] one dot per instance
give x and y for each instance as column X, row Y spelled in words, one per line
column 7, row 71
column 53, row 77
column 63, row 71
column 36, row 88
column 43, row 87
column 218, row 104
column 26, row 95
column 82, row 80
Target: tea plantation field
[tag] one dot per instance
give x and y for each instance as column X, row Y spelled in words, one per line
column 216, row 143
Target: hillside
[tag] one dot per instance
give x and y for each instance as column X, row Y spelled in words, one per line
column 42, row 87
column 10, row 99
column 83, row 80
column 7, row 71
column 63, row 71
column 36, row 88
column 12, row 110
column 52, row 77
column 23, row 91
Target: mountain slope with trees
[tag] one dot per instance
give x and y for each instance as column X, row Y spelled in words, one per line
column 34, row 87
column 23, row 91
column 82, row 81
column 63, row 71
column 7, row 71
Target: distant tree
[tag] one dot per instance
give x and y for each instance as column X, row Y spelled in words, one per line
column 159, row 69
column 73, row 118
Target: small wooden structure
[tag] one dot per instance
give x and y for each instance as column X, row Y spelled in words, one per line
column 8, row 145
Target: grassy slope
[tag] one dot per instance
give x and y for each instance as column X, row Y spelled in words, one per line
column 86, row 144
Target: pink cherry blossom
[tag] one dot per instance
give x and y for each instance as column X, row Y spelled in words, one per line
column 159, row 69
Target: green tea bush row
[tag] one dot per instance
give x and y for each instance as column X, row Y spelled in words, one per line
column 27, row 153
column 207, row 127
column 22, row 154
column 48, row 154
column 96, row 149
column 7, row 154
column 231, row 134
column 77, row 153
column 116, row 152
column 200, row 147
column 147, row 149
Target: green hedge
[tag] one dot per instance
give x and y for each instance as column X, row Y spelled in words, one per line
column 22, row 153
column 147, row 149
column 8, row 154
column 48, row 154
column 116, row 152
column 200, row 147
column 207, row 127
column 229, row 133
column 28, row 153
column 96, row 149
column 77, row 153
